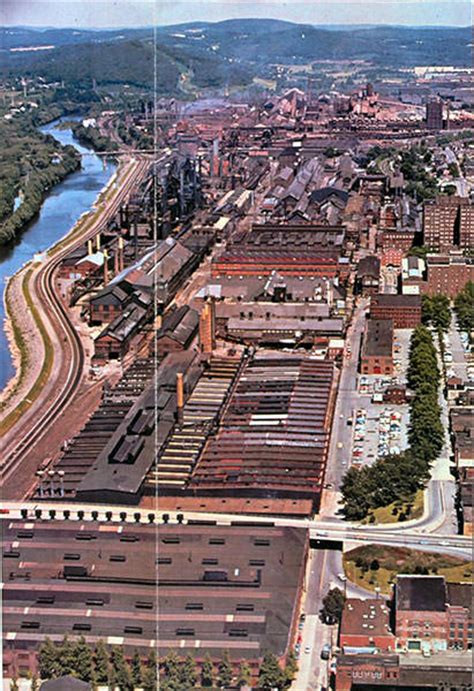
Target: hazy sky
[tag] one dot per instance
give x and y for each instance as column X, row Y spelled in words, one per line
column 129, row 13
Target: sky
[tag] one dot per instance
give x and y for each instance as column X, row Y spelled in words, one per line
column 137, row 13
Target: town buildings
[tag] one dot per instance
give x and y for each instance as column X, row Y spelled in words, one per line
column 403, row 310
column 434, row 114
column 447, row 274
column 448, row 223
column 421, row 639
column 377, row 347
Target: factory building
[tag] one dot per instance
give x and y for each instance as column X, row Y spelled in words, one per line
column 226, row 587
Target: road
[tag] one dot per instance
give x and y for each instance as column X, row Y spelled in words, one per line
column 35, row 422
column 339, row 457
column 406, row 535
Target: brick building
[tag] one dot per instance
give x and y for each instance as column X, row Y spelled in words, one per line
column 368, row 276
column 448, row 273
column 448, row 222
column 403, row 310
column 366, row 624
column 377, row 348
column 429, row 648
column 431, row 615
column 434, row 114
column 293, row 249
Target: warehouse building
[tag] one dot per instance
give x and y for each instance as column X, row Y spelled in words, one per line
column 280, row 402
column 219, row 588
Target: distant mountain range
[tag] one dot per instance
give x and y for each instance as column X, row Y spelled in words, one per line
column 207, row 54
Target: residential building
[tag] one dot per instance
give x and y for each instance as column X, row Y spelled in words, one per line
column 434, row 114
column 448, row 223
column 448, row 273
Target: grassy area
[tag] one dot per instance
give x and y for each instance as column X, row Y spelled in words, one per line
column 20, row 344
column 42, row 378
column 410, row 508
column 393, row 560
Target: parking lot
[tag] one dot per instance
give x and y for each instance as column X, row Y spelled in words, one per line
column 380, row 428
column 456, row 355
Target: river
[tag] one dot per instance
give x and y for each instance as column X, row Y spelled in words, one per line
column 60, row 211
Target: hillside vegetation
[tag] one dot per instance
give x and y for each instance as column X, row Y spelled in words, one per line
column 224, row 53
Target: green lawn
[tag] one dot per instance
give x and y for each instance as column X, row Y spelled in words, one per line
column 391, row 513
column 394, row 560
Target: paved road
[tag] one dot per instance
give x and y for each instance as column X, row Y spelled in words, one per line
column 459, row 363
column 348, row 398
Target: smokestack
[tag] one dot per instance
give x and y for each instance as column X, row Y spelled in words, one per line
column 116, row 262
column 120, row 253
column 215, row 157
column 179, row 396
column 97, row 241
column 207, row 328
column 106, row 267
column 89, row 247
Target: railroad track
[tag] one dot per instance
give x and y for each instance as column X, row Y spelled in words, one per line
column 51, row 303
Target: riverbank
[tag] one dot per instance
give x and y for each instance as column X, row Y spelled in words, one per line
column 91, row 136
column 65, row 206
column 35, row 163
column 25, row 329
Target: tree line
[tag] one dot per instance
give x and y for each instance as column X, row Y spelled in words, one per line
column 399, row 476
column 104, row 666
column 91, row 136
column 99, row 666
column 464, row 307
column 34, row 163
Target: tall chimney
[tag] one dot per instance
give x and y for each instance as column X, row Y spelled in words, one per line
column 116, row 262
column 179, row 396
column 207, row 328
column 97, row 241
column 89, row 247
column 106, row 267
column 120, row 253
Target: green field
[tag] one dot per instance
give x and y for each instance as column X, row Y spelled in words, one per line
column 396, row 560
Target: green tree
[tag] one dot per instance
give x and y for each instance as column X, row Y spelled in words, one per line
column 270, row 674
column 187, row 672
column 101, row 662
column 83, row 661
column 333, row 606
column 170, row 678
column 136, row 666
column 464, row 307
column 67, row 657
column 48, row 660
column 291, row 669
column 374, row 565
column 207, row 672
column 14, row 684
column 244, row 677
column 34, row 683
column 122, row 674
column 225, row 671
column 150, row 680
